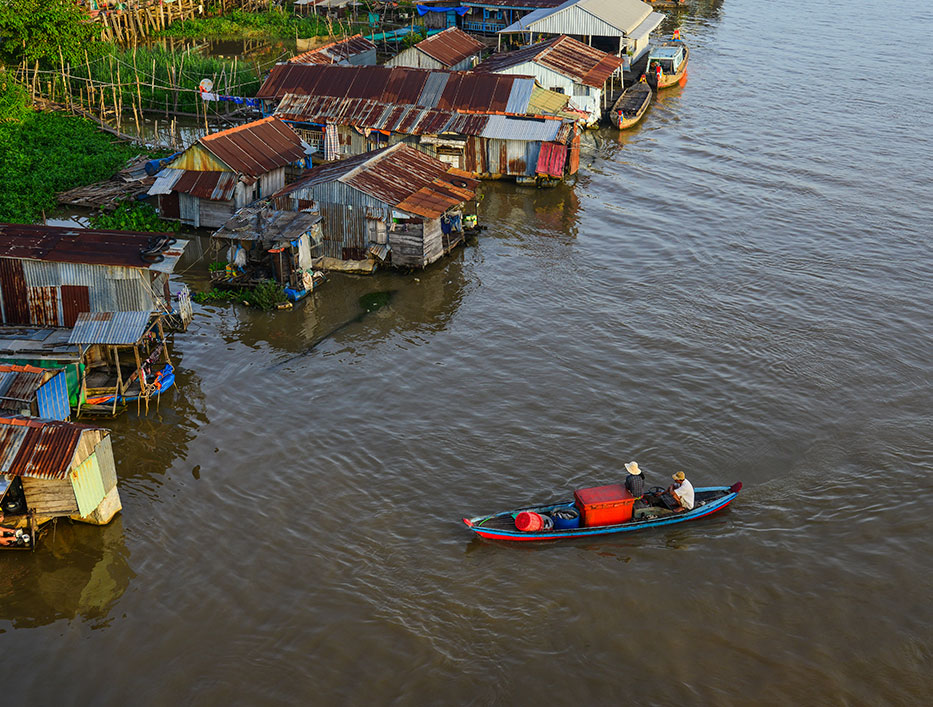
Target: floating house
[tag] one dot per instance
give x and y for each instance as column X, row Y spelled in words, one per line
column 564, row 65
column 452, row 49
column 490, row 125
column 30, row 391
column 260, row 243
column 225, row 171
column 49, row 275
column 396, row 206
column 352, row 51
column 615, row 26
column 484, row 17
column 52, row 469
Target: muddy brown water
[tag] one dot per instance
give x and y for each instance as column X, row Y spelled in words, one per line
column 739, row 288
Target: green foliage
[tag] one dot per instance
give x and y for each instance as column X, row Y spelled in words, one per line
column 267, row 295
column 213, row 296
column 39, row 29
column 14, row 99
column 133, row 216
column 416, row 35
column 48, row 153
column 217, row 266
column 274, row 24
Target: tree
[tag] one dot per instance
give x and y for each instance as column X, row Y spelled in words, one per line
column 37, row 29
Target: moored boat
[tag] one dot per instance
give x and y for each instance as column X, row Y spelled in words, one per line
column 563, row 520
column 631, row 106
column 667, row 64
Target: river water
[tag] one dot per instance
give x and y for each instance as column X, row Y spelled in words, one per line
column 740, row 288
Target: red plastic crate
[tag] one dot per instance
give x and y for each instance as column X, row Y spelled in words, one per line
column 604, row 505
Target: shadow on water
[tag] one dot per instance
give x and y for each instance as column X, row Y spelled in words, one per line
column 76, row 571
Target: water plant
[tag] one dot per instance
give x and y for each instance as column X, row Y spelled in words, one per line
column 133, row 216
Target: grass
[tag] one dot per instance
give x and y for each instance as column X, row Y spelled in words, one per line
column 47, row 153
column 238, row 24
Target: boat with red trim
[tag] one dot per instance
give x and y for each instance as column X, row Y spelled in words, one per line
column 594, row 512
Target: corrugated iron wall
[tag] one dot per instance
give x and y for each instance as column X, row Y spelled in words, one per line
column 343, row 212
column 108, row 469
column 41, row 293
column 52, row 397
column 15, row 301
column 88, row 485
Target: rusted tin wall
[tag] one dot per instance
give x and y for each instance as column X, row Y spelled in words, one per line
column 344, row 212
column 75, row 299
column 15, row 302
column 43, row 306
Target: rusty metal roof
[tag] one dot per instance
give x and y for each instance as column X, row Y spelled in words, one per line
column 463, row 91
column 400, row 176
column 451, row 46
column 38, row 448
column 520, row 4
column 109, row 327
column 18, row 386
column 562, row 54
column 66, row 244
column 259, row 222
column 335, row 52
column 255, row 148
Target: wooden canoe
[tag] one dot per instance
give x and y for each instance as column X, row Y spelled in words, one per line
column 631, row 106
column 501, row 526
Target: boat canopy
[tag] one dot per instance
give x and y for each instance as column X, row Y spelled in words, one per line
column 669, row 57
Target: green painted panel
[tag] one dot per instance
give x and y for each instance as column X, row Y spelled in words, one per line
column 88, row 485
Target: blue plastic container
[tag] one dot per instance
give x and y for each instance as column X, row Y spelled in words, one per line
column 566, row 518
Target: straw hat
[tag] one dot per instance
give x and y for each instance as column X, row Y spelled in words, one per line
column 679, row 476
column 632, row 468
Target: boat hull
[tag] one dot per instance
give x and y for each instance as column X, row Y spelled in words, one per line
column 515, row 535
column 669, row 80
column 637, row 95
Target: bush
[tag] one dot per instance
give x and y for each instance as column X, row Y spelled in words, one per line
column 14, row 99
column 48, row 153
column 133, row 216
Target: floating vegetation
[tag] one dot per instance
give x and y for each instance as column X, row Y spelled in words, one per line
column 133, row 216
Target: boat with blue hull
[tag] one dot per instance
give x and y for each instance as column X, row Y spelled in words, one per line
column 503, row 526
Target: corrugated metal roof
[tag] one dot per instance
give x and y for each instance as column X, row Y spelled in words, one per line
column 215, row 186
column 530, row 129
column 400, row 176
column 399, row 85
column 563, row 54
column 256, row 148
column 109, row 327
column 38, row 448
column 253, row 223
column 451, row 46
column 585, row 17
column 67, row 244
column 520, row 4
column 18, row 386
column 335, row 52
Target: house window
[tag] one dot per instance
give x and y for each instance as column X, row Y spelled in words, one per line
column 557, row 89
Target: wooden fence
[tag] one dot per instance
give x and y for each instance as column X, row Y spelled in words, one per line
column 137, row 20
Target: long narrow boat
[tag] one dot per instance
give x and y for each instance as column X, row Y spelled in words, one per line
column 631, row 106
column 672, row 57
column 164, row 380
column 502, row 526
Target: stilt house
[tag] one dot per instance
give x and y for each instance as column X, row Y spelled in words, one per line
column 51, row 469
column 225, row 171
column 352, row 51
column 33, row 392
column 396, row 206
column 564, row 65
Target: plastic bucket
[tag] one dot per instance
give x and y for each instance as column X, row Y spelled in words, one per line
column 566, row 518
column 528, row 521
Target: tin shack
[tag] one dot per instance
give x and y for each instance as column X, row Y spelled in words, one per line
column 396, row 206
column 451, row 49
column 566, row 66
column 260, row 243
column 225, row 171
column 53, row 469
column 491, row 125
column 30, row 391
column 51, row 274
column 484, row 17
column 615, row 26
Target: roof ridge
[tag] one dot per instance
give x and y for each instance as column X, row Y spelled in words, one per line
column 235, row 128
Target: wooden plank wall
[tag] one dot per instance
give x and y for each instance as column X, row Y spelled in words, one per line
column 50, row 497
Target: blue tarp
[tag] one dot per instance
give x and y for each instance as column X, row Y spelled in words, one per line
column 424, row 10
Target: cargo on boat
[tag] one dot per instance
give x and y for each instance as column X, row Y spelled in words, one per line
column 630, row 108
column 667, row 64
